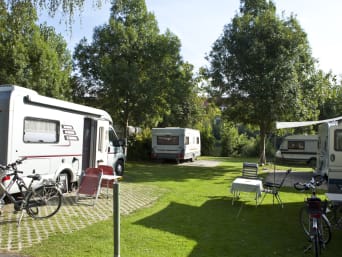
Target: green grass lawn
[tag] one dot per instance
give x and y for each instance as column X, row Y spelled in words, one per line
column 194, row 218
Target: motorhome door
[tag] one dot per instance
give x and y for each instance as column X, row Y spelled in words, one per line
column 101, row 142
column 95, row 137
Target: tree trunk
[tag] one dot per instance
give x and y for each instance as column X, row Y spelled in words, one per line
column 262, row 153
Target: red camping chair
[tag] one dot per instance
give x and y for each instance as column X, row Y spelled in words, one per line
column 90, row 184
column 107, row 182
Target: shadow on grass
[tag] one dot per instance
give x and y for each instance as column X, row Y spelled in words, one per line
column 222, row 229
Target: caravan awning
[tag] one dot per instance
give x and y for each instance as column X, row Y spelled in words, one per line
column 296, row 124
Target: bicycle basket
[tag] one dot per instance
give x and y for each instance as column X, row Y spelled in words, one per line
column 314, row 207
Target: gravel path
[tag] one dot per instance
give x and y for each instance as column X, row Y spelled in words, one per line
column 293, row 177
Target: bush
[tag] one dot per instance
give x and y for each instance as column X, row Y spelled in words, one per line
column 139, row 146
column 248, row 147
column 207, row 142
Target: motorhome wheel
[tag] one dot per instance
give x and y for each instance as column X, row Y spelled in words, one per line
column 119, row 168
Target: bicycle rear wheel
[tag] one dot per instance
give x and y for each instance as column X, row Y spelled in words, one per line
column 44, row 202
column 316, row 247
column 306, row 225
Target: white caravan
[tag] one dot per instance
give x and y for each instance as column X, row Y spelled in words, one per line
column 176, row 144
column 298, row 148
column 59, row 139
column 329, row 154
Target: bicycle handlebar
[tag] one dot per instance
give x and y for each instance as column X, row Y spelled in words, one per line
column 312, row 184
column 13, row 165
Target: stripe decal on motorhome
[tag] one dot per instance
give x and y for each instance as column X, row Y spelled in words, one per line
column 49, row 156
column 69, row 133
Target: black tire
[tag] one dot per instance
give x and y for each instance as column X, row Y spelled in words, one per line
column 306, row 224
column 326, row 230
column 44, row 202
column 119, row 168
column 312, row 163
column 335, row 216
column 338, row 216
column 316, row 247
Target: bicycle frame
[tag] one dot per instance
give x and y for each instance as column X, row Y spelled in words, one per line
column 15, row 179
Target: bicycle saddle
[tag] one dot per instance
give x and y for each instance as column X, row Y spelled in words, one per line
column 34, row 176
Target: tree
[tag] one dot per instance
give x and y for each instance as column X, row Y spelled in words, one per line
column 134, row 72
column 262, row 66
column 67, row 7
column 32, row 56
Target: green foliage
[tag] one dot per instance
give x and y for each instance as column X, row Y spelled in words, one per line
column 139, row 146
column 234, row 143
column 263, row 64
column 32, row 56
column 207, row 141
column 229, row 140
column 136, row 73
column 248, row 147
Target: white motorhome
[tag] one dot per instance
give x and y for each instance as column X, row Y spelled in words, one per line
column 176, row 143
column 59, row 139
column 329, row 158
column 298, row 148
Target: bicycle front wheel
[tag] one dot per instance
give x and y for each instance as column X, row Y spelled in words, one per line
column 44, row 202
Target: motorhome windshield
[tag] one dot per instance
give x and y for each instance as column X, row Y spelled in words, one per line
column 168, row 140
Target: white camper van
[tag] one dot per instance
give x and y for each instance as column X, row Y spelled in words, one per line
column 58, row 138
column 176, row 143
column 298, row 148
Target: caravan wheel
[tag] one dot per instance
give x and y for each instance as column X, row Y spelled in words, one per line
column 312, row 163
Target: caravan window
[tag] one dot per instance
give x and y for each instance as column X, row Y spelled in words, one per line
column 41, row 130
column 338, row 140
column 167, row 140
column 296, row 145
column 187, row 141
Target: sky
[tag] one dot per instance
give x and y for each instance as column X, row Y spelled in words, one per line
column 199, row 23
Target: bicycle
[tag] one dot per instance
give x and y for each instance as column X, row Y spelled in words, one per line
column 41, row 202
column 313, row 217
column 334, row 210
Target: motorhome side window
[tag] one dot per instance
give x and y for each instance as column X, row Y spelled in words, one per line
column 100, row 146
column 338, row 140
column 167, row 140
column 111, row 137
column 40, row 130
column 296, row 145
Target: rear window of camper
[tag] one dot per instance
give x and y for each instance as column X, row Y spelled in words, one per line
column 40, row 131
column 296, row 145
column 167, row 140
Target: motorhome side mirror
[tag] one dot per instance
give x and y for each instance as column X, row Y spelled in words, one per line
column 119, row 142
